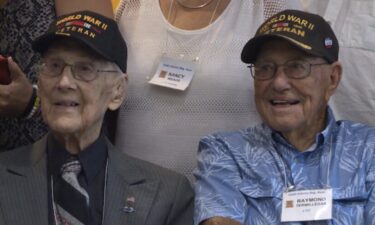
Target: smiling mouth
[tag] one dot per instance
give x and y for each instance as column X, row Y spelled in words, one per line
column 284, row 102
column 67, row 104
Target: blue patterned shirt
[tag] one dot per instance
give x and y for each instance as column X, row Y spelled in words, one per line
column 242, row 175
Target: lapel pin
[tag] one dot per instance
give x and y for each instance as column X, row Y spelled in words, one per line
column 129, row 205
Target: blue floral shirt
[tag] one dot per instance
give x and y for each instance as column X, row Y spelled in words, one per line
column 242, row 175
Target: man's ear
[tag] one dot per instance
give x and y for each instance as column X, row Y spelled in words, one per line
column 334, row 78
column 119, row 91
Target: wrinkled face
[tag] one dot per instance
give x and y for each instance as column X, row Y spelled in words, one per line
column 70, row 106
column 293, row 105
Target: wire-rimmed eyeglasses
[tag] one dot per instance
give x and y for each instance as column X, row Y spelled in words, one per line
column 84, row 71
column 294, row 69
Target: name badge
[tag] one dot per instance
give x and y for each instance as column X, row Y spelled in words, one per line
column 174, row 73
column 307, row 205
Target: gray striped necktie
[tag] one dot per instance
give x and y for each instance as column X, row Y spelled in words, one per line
column 71, row 201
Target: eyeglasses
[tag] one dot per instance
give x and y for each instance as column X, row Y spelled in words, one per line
column 294, row 69
column 84, row 71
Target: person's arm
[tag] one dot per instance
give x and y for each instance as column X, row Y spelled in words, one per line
column 103, row 7
column 218, row 199
column 16, row 96
column 220, row 221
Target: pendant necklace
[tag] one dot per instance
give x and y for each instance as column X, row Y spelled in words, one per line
column 209, row 23
column 183, row 4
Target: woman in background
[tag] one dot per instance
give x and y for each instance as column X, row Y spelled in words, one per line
column 161, row 124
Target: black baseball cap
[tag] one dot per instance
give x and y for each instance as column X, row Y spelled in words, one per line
column 101, row 34
column 309, row 32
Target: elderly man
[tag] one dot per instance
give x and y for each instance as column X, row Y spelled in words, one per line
column 300, row 166
column 74, row 175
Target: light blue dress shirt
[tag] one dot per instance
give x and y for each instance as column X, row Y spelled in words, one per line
column 242, row 175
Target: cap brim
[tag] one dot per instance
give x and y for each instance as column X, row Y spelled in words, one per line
column 252, row 47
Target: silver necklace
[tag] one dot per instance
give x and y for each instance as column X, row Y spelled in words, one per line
column 209, row 23
column 181, row 3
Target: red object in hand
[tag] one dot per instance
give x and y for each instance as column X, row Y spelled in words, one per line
column 4, row 71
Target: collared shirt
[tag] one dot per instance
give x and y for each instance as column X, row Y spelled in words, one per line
column 242, row 175
column 93, row 160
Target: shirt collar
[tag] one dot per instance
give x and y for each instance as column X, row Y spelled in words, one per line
column 330, row 127
column 93, row 158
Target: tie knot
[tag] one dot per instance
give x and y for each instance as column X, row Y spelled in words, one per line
column 72, row 165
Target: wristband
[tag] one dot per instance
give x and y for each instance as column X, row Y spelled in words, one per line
column 33, row 106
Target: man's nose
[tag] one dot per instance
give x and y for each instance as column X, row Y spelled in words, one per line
column 280, row 80
column 66, row 77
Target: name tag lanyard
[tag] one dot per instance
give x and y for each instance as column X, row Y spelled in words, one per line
column 177, row 73
column 305, row 204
